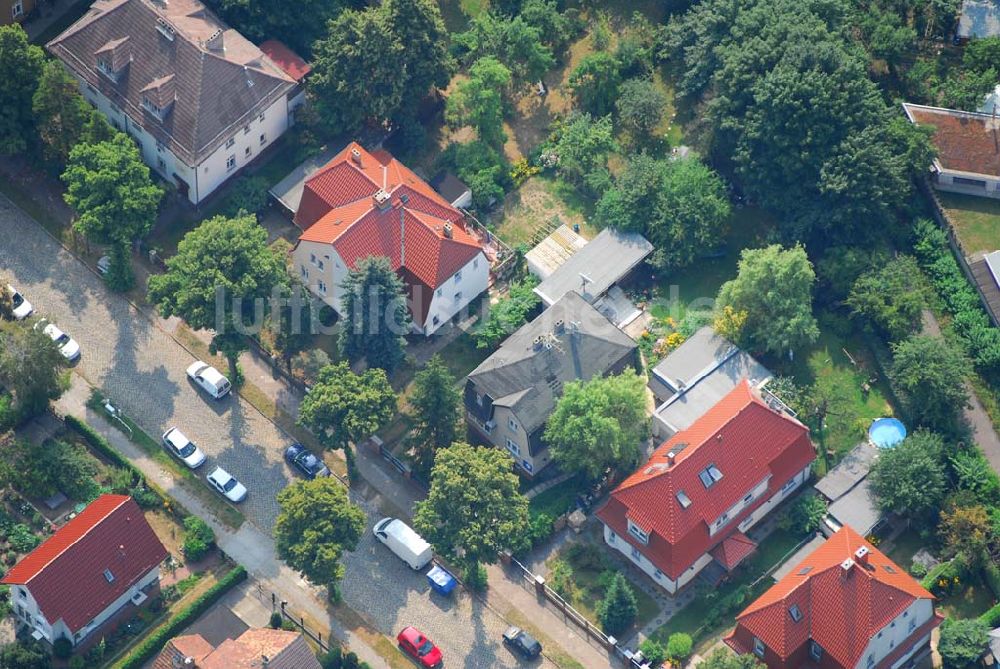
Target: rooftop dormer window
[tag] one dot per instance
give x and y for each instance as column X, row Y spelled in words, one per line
column 108, row 576
column 105, row 68
column 153, row 108
column 710, row 476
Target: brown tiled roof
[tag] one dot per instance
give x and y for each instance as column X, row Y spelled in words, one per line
column 221, row 79
column 965, row 141
column 283, row 650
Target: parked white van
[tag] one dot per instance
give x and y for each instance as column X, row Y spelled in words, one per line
column 408, row 546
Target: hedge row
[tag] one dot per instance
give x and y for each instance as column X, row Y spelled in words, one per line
column 99, row 443
column 158, row 638
column 948, row 570
column 981, row 339
column 991, row 616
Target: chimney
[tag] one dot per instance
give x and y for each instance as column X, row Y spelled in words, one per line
column 560, row 326
column 447, row 230
column 381, row 199
column 861, row 555
column 845, row 566
column 265, row 661
column 537, row 344
column 671, row 457
column 214, row 42
column 356, row 157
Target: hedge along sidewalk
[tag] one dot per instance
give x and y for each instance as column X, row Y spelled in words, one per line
column 157, row 638
column 226, row 513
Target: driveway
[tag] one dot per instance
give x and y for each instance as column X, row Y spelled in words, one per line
column 141, row 368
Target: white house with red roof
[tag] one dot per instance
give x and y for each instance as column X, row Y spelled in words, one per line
column 96, row 570
column 364, row 204
column 845, row 606
column 689, row 506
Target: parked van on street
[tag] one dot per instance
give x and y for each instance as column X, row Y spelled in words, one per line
column 408, row 546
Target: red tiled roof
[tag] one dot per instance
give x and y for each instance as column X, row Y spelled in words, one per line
column 338, row 208
column 65, row 574
column 733, row 550
column 746, row 440
column 290, row 62
column 965, row 141
column 841, row 611
column 284, row 650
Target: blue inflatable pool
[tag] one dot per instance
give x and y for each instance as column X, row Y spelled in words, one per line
column 886, row 432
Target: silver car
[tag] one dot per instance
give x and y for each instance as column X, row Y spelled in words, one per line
column 227, row 484
column 183, row 448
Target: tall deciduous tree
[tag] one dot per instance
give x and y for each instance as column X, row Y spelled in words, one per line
column 474, row 509
column 595, row 83
column 891, row 297
column 316, row 525
column 680, row 206
column 376, row 61
column 343, row 408
column 968, row 531
column 24, row 655
column 223, row 272
column 582, row 145
column 436, row 409
column 963, row 641
column 511, row 40
column 932, row 372
column 271, row 19
column 910, row 478
column 641, row 106
column 110, row 188
column 375, row 315
column 774, row 288
column 20, row 67
column 60, row 112
column 31, row 366
column 598, row 424
column 478, row 101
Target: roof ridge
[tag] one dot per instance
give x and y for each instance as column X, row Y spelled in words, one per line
column 87, row 19
column 123, row 499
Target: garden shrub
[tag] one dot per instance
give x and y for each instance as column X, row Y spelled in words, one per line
column 153, row 643
column 804, row 515
column 653, row 651
column 918, row 570
column 22, row 539
column 332, row 659
column 62, row 648
column 248, row 194
column 561, row 579
column 541, row 528
column 618, row 609
column 276, row 620
column 198, row 538
column 679, row 646
column 9, row 416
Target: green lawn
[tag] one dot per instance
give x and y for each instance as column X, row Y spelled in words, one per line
column 976, row 219
column 902, row 549
column 592, row 569
column 558, row 499
column 538, row 207
column 702, row 619
column 968, row 602
column 456, row 13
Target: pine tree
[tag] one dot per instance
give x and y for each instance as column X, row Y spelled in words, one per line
column 436, row 405
column 375, row 315
column 618, row 609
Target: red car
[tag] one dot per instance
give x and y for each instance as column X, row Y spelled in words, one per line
column 422, row 649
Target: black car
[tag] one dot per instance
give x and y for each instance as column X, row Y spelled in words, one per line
column 522, row 643
column 305, row 461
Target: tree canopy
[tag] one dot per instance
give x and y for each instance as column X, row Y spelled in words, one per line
column 891, row 297
column 932, row 372
column 680, row 206
column 110, row 188
column 963, row 641
column 31, row 366
column 478, row 100
column 223, row 273
column 640, row 106
column 375, row 315
column 509, row 313
column 723, row 658
column 910, row 479
column 344, row 408
column 595, row 83
column 774, row 289
column 61, row 113
column 512, row 40
column 618, row 609
column 316, row 525
column 20, row 67
column 598, row 424
column 436, row 408
column 24, row 655
column 474, row 508
column 581, row 146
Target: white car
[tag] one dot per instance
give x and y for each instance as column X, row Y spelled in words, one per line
column 183, row 448
column 22, row 308
column 209, row 378
column 66, row 344
column 224, row 482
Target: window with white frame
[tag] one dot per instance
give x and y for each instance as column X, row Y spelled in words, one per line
column 230, row 142
column 795, row 612
column 789, row 485
column 636, row 555
column 321, row 264
column 436, row 320
column 458, row 296
column 440, row 292
column 758, row 647
column 815, row 651
column 612, row 536
column 710, row 476
column 159, row 146
column 261, row 117
column 312, row 258
column 321, row 286
column 912, row 626
column 231, row 162
column 458, row 276
column 475, row 263
column 161, row 163
column 638, row 532
column 512, row 424
column 658, row 574
column 304, row 271
column 513, row 447
column 870, row 662
column 263, row 139
column 246, row 130
column 17, row 9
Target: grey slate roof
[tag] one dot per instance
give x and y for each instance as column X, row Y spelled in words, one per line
column 848, row 473
column 218, row 89
column 449, row 186
column 529, row 377
column 606, row 259
column 697, row 375
column 857, row 509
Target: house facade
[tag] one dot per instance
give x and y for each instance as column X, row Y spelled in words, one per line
column 509, row 397
column 685, row 512
column 15, row 11
column 364, row 204
column 92, row 574
column 845, row 606
column 200, row 100
column 968, row 155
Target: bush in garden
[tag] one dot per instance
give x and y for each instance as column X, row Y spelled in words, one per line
column 276, row 620
column 248, row 194
column 22, row 539
column 62, row 648
column 653, row 651
column 198, row 538
column 679, row 646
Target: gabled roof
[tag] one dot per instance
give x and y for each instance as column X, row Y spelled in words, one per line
column 577, row 343
column 606, row 259
column 66, row 574
column 842, row 609
column 290, row 62
column 967, row 142
column 416, row 229
column 221, row 80
column 743, row 442
column 283, row 650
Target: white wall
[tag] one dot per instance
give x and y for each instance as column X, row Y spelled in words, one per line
column 316, row 262
column 212, row 172
column 946, row 181
column 723, row 521
column 27, row 610
column 444, row 305
column 896, row 633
